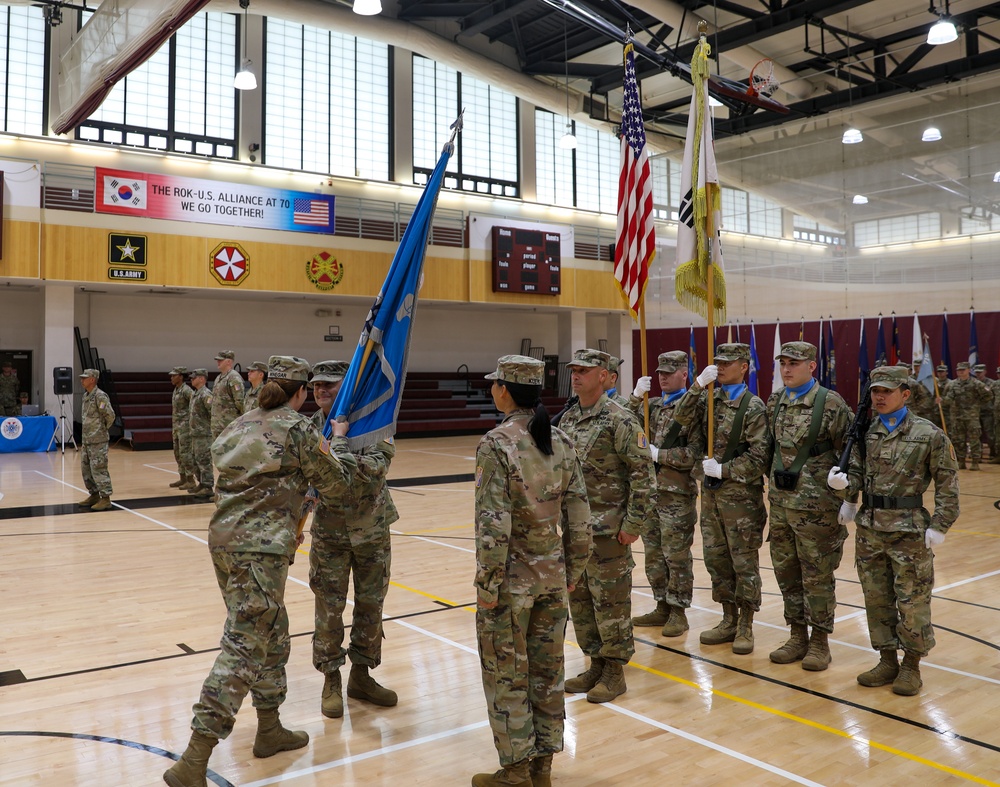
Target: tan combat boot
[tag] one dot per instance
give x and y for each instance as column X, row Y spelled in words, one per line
column 975, row 465
column 89, row 500
column 655, row 618
column 818, row 658
column 187, row 482
column 272, row 737
column 883, row 673
column 611, row 685
column 586, row 680
column 516, row 775
column 541, row 770
column 795, row 648
column 725, row 631
column 743, row 642
column 677, row 623
column 202, row 492
column 908, row 682
column 178, row 482
column 102, row 504
column 332, row 704
column 362, row 686
column 192, row 768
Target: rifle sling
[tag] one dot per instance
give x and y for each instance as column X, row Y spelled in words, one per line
column 806, row 449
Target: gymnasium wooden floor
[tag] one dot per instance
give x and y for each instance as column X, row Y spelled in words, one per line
column 111, row 621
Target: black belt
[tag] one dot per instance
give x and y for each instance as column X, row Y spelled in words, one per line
column 821, row 448
column 882, row 501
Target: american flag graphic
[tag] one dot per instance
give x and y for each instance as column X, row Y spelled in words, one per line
column 635, row 242
column 315, row 212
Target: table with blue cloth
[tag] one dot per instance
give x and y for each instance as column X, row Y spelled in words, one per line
column 30, row 433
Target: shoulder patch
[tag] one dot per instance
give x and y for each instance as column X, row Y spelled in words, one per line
column 479, row 476
column 388, row 440
column 951, row 449
column 643, row 442
column 324, row 446
column 100, row 406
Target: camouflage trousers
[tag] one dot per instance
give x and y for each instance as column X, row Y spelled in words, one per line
column 806, row 548
column 732, row 531
column 201, row 457
column 601, row 603
column 255, row 642
column 182, row 451
column 897, row 575
column 667, row 544
column 332, row 559
column 986, row 424
column 966, row 434
column 94, row 467
column 521, row 654
column 8, row 410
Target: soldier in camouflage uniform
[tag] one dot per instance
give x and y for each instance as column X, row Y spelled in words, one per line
column 97, row 419
column 201, row 435
column 732, row 499
column 967, row 396
column 995, row 387
column 941, row 405
column 668, row 536
column 266, row 459
column 256, row 375
column 618, row 471
column 611, row 384
column 180, row 427
column 227, row 393
column 921, row 400
column 10, row 389
column 895, row 534
column 350, row 533
column 986, row 410
column 806, row 533
column 532, row 543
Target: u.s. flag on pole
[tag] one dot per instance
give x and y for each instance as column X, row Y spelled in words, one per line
column 315, row 212
column 635, row 241
column 125, row 192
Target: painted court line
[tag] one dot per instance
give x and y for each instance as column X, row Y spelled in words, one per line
column 161, row 469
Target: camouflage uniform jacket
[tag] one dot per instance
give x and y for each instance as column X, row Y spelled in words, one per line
column 674, row 465
column 227, row 400
column 201, row 411
column 750, row 466
column 532, row 515
column 97, row 416
column 617, row 466
column 364, row 508
column 811, row 492
column 180, row 407
column 966, row 397
column 921, row 400
column 266, row 461
column 902, row 464
column 250, row 400
column 995, row 387
column 10, row 388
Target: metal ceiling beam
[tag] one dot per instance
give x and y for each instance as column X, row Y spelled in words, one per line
column 492, row 16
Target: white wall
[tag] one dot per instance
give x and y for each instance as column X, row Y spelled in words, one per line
column 21, row 328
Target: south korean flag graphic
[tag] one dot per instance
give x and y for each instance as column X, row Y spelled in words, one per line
column 125, row 192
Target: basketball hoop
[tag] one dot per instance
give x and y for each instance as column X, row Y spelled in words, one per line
column 762, row 81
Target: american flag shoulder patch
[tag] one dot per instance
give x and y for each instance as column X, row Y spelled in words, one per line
column 324, row 446
column 643, row 442
column 479, row 476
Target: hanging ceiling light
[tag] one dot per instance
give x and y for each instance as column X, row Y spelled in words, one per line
column 368, row 7
column 860, row 199
column 931, row 134
column 996, row 177
column 568, row 140
column 245, row 79
column 852, row 136
column 942, row 31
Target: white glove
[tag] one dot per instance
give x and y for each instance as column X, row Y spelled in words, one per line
column 655, row 453
column 642, row 386
column 933, row 538
column 712, row 468
column 836, row 480
column 708, row 375
column 847, row 513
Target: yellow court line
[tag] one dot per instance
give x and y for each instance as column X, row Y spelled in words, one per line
column 817, row 725
column 433, row 530
column 973, row 533
column 431, row 596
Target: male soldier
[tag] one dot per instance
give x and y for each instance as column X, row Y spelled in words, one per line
column 97, row 419
column 618, row 471
column 9, row 389
column 350, row 532
column 942, row 405
column 227, row 393
column 921, row 400
column 732, row 500
column 986, row 411
column 808, row 426
column 668, row 536
column 201, row 435
column 180, row 427
column 967, row 395
column 995, row 386
column 256, row 374
column 895, row 534
column 611, row 384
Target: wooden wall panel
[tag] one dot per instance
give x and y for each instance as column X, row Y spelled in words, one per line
column 20, row 249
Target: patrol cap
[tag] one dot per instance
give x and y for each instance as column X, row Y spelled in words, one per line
column 199, row 373
column 942, row 367
column 5, row 363
column 226, row 355
column 95, row 373
column 672, row 361
column 962, row 365
column 979, row 367
column 890, row 377
column 260, row 366
column 591, row 358
column 288, row 367
column 329, row 371
column 614, row 364
column 797, row 351
column 182, row 370
column 518, row 369
column 733, row 352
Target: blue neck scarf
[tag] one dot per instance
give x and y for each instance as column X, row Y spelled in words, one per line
column 673, row 397
column 611, row 392
column 891, row 420
column 798, row 393
column 734, row 391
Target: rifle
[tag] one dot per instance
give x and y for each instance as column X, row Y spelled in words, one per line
column 858, row 429
column 569, row 403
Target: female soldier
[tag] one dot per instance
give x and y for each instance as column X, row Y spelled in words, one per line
column 532, row 540
column 266, row 460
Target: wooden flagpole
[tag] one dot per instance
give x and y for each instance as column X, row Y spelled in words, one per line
column 643, row 364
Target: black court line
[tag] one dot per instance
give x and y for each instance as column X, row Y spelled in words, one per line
column 428, row 480
column 946, row 733
column 79, row 736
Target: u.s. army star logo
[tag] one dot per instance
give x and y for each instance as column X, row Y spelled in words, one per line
column 324, row 271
